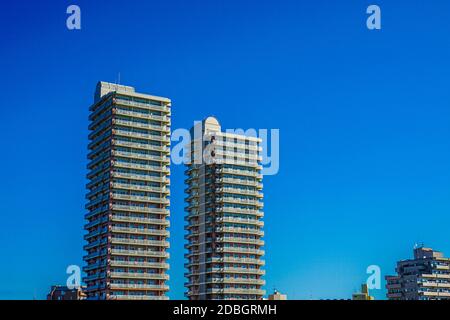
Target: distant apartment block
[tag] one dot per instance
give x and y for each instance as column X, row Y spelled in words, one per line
column 64, row 293
column 224, row 216
column 426, row 277
column 277, row 296
column 128, row 192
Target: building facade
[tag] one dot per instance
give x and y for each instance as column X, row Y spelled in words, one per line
column 64, row 293
column 128, row 190
column 426, row 277
column 224, row 215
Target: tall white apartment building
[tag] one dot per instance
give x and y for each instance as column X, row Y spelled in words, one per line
column 128, row 192
column 224, row 216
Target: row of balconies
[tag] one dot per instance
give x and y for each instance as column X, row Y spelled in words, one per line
column 96, row 222
column 131, row 208
column 134, row 155
column 134, row 124
column 231, row 155
column 141, row 115
column 140, row 177
column 163, row 108
column 132, row 134
column 139, row 275
column 243, row 182
column 139, row 286
column 253, row 202
column 258, row 242
column 140, row 253
column 96, row 243
column 225, row 229
column 100, row 119
column 254, row 193
column 142, row 146
column 128, row 165
column 236, row 291
column 231, row 280
column 143, row 231
column 233, row 145
column 106, row 135
column 122, row 218
column 139, row 264
column 119, row 196
column 228, row 270
column 248, row 173
column 136, row 297
column 137, row 187
column 156, row 243
column 254, row 251
column 194, row 234
column 240, row 210
column 240, row 220
column 221, row 260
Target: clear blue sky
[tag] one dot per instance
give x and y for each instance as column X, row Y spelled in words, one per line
column 364, row 119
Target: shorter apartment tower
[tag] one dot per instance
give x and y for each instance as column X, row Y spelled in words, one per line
column 426, row 277
column 224, row 212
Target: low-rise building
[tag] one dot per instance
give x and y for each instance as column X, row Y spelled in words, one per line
column 426, row 277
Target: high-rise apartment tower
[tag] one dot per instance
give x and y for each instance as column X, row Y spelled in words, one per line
column 426, row 277
column 224, row 215
column 128, row 192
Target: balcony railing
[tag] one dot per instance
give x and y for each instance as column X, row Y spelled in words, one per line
column 141, row 253
column 155, row 232
column 139, row 275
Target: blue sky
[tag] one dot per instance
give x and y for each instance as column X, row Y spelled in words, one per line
column 363, row 118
